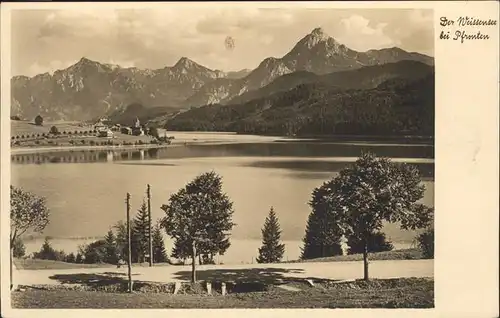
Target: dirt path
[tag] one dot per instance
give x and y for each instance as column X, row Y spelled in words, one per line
column 331, row 270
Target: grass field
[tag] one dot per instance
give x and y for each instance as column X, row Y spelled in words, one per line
column 405, row 254
column 21, row 127
column 389, row 293
column 35, row 264
column 25, row 134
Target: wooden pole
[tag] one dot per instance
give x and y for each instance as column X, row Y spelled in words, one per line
column 150, row 240
column 129, row 240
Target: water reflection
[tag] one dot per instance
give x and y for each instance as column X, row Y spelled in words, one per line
column 426, row 169
column 84, row 156
column 288, row 149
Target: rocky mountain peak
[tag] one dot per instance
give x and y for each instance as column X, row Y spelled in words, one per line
column 184, row 62
column 85, row 63
column 318, row 32
column 316, row 36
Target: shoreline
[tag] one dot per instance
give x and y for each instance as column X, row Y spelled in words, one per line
column 29, row 150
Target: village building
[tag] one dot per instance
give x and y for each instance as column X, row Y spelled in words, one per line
column 138, row 131
column 100, row 126
column 126, row 130
column 105, row 133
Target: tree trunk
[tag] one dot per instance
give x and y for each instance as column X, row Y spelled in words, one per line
column 13, row 237
column 193, row 263
column 365, row 258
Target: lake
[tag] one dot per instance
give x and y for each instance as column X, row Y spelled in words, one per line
column 86, row 190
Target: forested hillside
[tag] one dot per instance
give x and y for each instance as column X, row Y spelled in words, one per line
column 395, row 107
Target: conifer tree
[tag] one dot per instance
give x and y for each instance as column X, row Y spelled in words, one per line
column 121, row 240
column 181, row 249
column 272, row 250
column 111, row 248
column 159, row 252
column 140, row 234
column 323, row 232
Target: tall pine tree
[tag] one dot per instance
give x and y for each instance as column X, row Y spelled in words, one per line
column 159, row 252
column 180, row 250
column 111, row 248
column 122, row 241
column 140, row 234
column 323, row 233
column 272, row 250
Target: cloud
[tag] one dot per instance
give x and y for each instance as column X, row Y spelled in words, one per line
column 148, row 38
column 362, row 36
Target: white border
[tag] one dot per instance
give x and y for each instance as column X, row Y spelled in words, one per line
column 466, row 190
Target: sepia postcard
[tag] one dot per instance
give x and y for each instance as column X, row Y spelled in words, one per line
column 334, row 158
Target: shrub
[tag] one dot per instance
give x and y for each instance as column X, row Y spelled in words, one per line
column 12, row 138
column 19, row 250
column 83, row 141
column 37, row 142
column 95, row 252
column 377, row 242
column 54, row 130
column 39, row 120
column 79, row 258
column 49, row 253
column 426, row 243
column 92, row 143
column 71, row 258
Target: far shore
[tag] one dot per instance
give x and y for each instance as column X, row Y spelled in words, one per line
column 28, row 150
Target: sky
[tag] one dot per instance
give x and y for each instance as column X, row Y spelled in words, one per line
column 47, row 40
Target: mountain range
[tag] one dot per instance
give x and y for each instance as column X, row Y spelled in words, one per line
column 89, row 89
